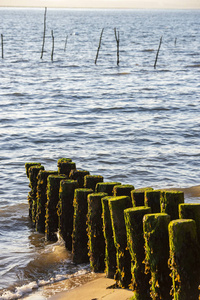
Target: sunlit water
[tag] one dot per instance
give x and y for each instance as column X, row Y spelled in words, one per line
column 131, row 123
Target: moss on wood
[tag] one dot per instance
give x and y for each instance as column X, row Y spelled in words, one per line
column 42, row 199
column 79, row 175
column 30, row 164
column 122, row 190
column 117, row 205
column 155, row 227
column 79, row 235
column 33, row 177
column 106, row 187
column 152, row 199
column 110, row 250
column 51, row 217
column 96, row 241
column 65, row 165
column 169, row 203
column 135, row 241
column 90, row 181
column 191, row 211
column 138, row 195
column 184, row 259
column 66, row 210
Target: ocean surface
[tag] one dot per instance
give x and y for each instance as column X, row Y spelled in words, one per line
column 128, row 122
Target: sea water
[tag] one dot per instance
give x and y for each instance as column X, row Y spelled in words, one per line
column 130, row 122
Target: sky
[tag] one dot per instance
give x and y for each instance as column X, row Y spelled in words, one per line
column 144, row 4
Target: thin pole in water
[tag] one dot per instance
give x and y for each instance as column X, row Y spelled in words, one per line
column 52, row 45
column 99, row 46
column 45, row 15
column 158, row 53
column 65, row 43
column 117, row 40
column 2, row 46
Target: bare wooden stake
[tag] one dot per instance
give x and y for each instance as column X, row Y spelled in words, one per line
column 45, row 15
column 99, row 46
column 175, row 42
column 65, row 43
column 117, row 40
column 52, row 45
column 157, row 53
column 2, row 55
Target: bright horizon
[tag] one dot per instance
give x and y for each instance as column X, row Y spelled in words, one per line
column 135, row 4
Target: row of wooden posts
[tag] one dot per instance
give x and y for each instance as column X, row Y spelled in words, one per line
column 98, row 49
column 147, row 240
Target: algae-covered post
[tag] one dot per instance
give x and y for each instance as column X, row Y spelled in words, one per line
column 96, row 241
column 42, row 199
column 79, row 234
column 191, row 211
column 117, row 205
column 169, row 203
column 135, row 242
column 66, row 210
column 90, row 181
column 123, row 190
column 51, row 217
column 117, row 40
column 152, row 199
column 2, row 54
column 110, row 250
column 99, row 46
column 156, row 237
column 79, row 176
column 106, row 187
column 138, row 196
column 184, row 259
column 44, row 33
column 158, row 52
column 65, row 165
column 52, row 51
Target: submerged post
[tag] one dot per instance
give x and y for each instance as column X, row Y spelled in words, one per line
column 65, row 43
column 117, row 40
column 2, row 55
column 158, row 53
column 44, row 33
column 99, row 46
column 52, row 52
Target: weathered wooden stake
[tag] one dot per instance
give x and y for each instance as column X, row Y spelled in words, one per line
column 2, row 55
column 52, row 45
column 117, row 40
column 106, row 187
column 157, row 53
column 45, row 15
column 65, row 43
column 99, row 46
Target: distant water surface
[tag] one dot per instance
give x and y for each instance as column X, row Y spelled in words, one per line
column 130, row 123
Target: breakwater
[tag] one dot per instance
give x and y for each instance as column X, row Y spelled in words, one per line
column 147, row 240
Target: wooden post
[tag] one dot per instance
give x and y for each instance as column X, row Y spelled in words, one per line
column 156, row 237
column 123, row 190
column 52, row 45
column 45, row 14
column 99, row 46
column 157, row 53
column 169, row 203
column 96, row 241
column 90, row 181
column 106, row 187
column 117, row 40
column 2, row 56
column 79, row 176
column 184, row 259
column 65, row 43
column 138, row 196
column 117, row 205
column 152, row 199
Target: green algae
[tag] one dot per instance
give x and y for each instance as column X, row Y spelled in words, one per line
column 96, row 241
column 155, row 227
column 152, row 199
column 65, row 165
column 138, row 195
column 106, row 187
column 79, row 234
column 169, row 203
column 66, row 210
column 78, row 175
column 135, row 243
column 123, row 190
column 184, row 259
column 90, row 181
